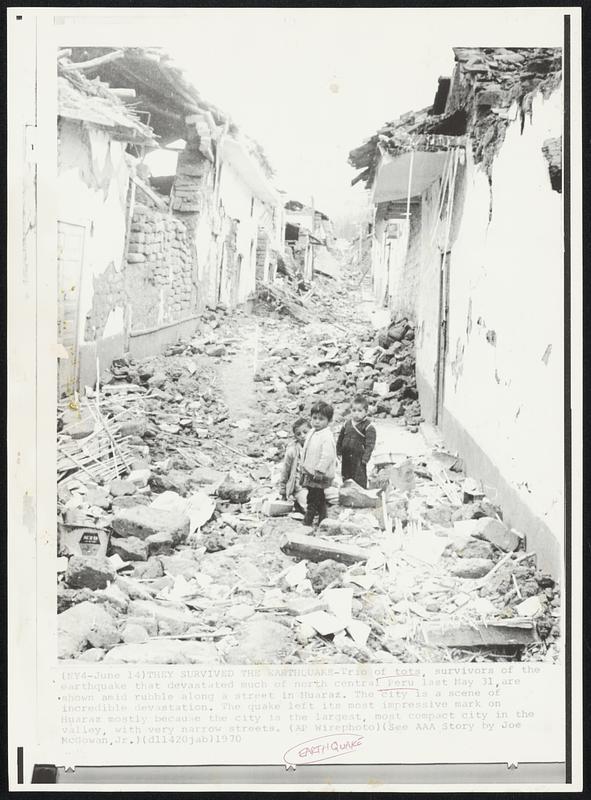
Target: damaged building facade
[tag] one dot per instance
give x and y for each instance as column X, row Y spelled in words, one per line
column 309, row 235
column 141, row 255
column 468, row 244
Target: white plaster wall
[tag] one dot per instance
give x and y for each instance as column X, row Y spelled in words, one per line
column 402, row 271
column 236, row 196
column 92, row 191
column 506, row 277
column 207, row 247
column 427, row 297
column 378, row 262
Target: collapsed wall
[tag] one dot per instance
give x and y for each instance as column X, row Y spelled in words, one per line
column 156, row 285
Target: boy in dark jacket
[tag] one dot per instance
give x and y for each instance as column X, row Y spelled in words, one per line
column 356, row 442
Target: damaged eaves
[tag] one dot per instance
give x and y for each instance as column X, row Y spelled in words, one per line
column 173, row 107
column 94, row 102
column 485, row 84
column 161, row 87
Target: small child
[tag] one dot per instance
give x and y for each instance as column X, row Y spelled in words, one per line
column 290, row 482
column 318, row 462
column 356, row 442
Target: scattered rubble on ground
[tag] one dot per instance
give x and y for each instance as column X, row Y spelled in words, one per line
column 170, row 550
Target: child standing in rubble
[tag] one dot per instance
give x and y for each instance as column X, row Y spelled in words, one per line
column 356, row 442
column 318, row 462
column 290, row 481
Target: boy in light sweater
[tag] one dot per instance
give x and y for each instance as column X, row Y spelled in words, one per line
column 318, row 462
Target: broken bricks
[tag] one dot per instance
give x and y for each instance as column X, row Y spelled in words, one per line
column 261, row 641
column 145, row 521
column 395, row 591
column 498, row 534
column 89, row 572
column 234, row 491
column 76, row 624
column 351, row 495
column 130, row 548
column 472, row 567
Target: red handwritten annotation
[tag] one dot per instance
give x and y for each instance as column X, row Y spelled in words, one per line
column 322, row 748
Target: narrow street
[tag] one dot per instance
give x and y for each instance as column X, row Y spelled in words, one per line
column 191, row 567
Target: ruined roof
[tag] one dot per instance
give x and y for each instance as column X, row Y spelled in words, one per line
column 255, row 149
column 93, row 102
column 172, row 104
column 296, row 207
column 485, row 83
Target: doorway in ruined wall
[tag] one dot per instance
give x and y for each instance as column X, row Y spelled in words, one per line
column 442, row 336
column 70, row 257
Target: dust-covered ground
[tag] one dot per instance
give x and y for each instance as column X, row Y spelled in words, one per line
column 167, row 550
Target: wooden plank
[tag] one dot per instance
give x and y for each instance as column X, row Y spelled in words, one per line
column 506, row 632
column 94, row 62
column 313, row 548
column 160, row 201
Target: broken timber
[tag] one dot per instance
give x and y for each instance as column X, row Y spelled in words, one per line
column 315, row 549
column 506, row 632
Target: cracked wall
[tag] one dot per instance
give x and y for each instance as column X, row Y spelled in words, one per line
column 118, row 292
column 92, row 191
column 504, row 371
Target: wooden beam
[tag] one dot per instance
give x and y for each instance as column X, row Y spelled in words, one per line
column 312, row 548
column 160, row 201
column 94, row 62
column 517, row 631
column 124, row 94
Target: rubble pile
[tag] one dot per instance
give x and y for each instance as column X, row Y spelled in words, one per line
column 175, row 555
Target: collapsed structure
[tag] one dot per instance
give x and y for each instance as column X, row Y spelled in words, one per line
column 164, row 207
column 175, row 549
column 309, row 235
column 456, row 189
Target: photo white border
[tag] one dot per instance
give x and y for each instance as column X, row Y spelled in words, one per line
column 31, row 435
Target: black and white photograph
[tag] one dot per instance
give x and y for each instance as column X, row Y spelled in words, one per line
column 312, row 393
column 292, row 433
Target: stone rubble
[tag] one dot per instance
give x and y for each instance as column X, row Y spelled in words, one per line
column 196, row 572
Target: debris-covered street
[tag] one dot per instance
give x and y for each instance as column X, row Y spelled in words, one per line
column 184, row 553
column 295, row 458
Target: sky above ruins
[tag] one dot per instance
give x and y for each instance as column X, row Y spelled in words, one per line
column 311, row 84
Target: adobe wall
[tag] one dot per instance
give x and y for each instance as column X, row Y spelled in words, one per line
column 92, row 190
column 154, row 285
column 92, row 185
column 504, row 379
